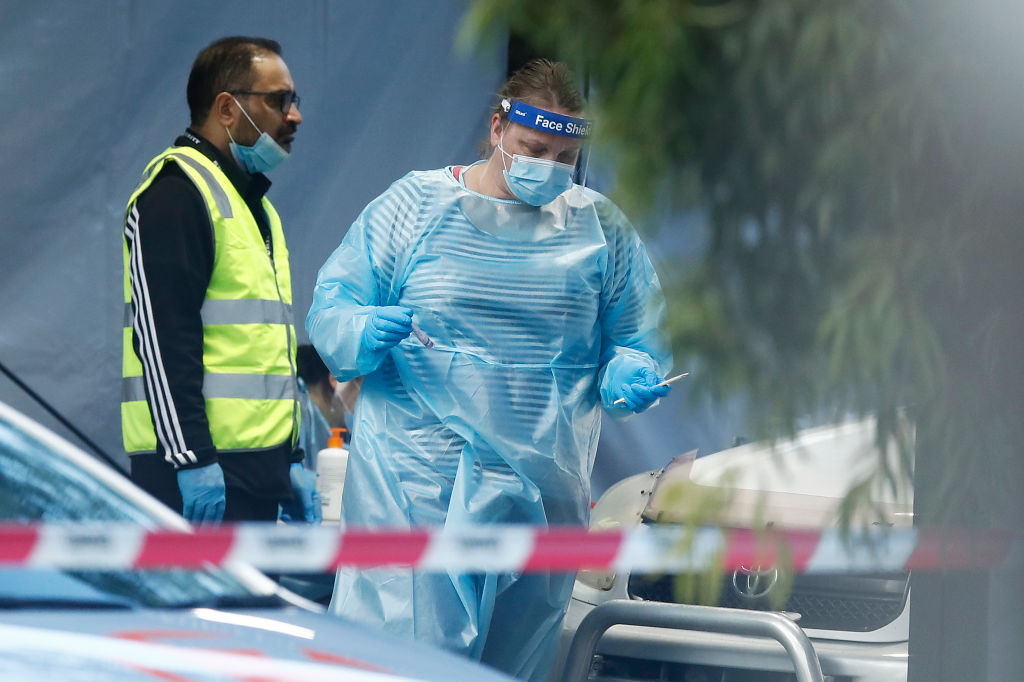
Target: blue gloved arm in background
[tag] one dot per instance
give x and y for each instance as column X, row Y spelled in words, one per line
column 202, row 493
column 305, row 503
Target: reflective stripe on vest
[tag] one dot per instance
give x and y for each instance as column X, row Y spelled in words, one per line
column 241, row 311
column 248, row 386
column 220, row 197
column 249, row 381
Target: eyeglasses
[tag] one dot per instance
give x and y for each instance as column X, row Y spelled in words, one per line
column 282, row 99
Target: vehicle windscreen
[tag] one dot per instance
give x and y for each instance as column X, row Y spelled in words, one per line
column 38, row 484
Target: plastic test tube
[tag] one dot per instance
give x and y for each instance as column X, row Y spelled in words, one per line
column 422, row 336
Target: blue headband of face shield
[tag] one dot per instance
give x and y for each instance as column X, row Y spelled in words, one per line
column 547, row 121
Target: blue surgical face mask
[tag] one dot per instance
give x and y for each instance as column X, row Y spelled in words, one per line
column 535, row 181
column 262, row 156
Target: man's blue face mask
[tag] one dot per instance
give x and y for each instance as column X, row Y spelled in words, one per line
column 261, row 156
column 535, row 181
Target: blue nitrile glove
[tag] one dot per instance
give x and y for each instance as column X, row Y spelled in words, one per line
column 632, row 380
column 305, row 503
column 386, row 327
column 202, row 493
column 641, row 394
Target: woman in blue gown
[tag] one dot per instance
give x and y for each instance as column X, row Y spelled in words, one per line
column 532, row 303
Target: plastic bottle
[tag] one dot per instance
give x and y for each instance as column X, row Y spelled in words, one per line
column 331, row 464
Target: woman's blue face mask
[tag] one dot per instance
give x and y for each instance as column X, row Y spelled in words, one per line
column 535, row 181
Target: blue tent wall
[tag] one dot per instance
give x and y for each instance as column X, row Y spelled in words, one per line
column 92, row 90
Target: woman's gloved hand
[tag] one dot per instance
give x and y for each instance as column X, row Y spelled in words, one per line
column 305, row 502
column 633, row 381
column 202, row 493
column 640, row 393
column 386, row 327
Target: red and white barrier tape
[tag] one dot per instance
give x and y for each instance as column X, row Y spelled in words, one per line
column 643, row 549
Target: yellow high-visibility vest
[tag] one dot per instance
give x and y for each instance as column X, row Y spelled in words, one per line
column 249, row 382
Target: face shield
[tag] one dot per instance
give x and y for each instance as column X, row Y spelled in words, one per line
column 555, row 123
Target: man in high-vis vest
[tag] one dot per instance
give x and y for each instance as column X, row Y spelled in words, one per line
column 209, row 410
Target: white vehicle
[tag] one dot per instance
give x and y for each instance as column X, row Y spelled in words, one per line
column 858, row 624
column 198, row 625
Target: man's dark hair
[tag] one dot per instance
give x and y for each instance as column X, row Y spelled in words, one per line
column 309, row 365
column 222, row 66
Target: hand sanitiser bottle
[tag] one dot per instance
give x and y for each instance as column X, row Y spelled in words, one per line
column 331, row 463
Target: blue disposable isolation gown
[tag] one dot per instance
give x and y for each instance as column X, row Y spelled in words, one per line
column 499, row 421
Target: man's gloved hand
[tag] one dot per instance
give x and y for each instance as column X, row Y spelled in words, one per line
column 386, row 327
column 305, row 503
column 202, row 493
column 633, row 381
